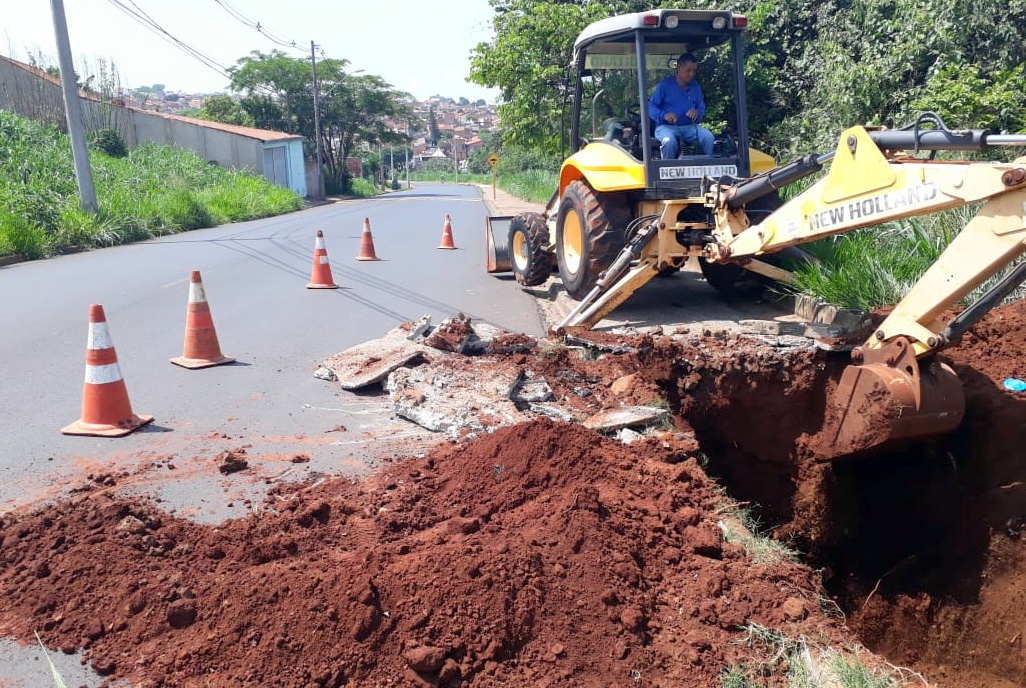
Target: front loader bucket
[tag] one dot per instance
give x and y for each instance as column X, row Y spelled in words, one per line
column 497, row 242
column 890, row 397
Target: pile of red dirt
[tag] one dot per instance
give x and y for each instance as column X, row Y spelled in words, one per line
column 543, row 554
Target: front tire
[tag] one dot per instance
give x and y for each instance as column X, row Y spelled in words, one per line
column 589, row 235
column 529, row 253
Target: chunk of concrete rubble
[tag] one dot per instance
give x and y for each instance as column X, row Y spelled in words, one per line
column 416, row 328
column 552, row 410
column 772, row 328
column 624, row 417
column 372, row 361
column 531, row 390
column 472, row 397
column 452, row 334
column 481, row 337
column 628, row 436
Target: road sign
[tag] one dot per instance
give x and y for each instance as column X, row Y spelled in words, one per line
column 493, row 159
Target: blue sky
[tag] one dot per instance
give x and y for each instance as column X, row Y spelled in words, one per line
column 417, row 46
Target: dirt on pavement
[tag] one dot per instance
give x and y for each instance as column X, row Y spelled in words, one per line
column 547, row 554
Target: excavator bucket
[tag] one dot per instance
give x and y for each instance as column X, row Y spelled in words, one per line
column 892, row 396
column 497, row 257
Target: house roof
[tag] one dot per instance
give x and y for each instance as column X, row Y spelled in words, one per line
column 249, row 132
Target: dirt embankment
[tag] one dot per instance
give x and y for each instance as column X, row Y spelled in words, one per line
column 544, row 554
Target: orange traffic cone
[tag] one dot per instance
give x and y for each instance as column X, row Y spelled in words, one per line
column 366, row 243
column 201, row 347
column 447, row 234
column 320, row 276
column 106, row 411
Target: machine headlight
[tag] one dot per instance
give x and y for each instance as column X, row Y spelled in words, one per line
column 671, row 21
column 719, row 23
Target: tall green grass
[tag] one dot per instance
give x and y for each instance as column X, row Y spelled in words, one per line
column 154, row 190
column 877, row 266
column 536, row 186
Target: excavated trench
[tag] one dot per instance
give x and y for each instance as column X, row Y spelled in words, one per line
column 922, row 545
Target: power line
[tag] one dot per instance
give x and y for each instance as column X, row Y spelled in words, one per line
column 140, row 15
column 253, row 24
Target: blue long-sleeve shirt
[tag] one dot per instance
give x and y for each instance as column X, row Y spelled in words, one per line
column 668, row 96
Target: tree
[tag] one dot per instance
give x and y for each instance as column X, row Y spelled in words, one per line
column 278, row 94
column 222, row 108
column 527, row 60
column 358, row 110
column 818, row 67
column 433, row 134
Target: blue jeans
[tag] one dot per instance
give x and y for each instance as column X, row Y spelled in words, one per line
column 670, row 135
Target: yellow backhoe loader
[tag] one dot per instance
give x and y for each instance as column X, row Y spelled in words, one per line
column 621, row 216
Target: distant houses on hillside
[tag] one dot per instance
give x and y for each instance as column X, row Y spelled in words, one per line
column 460, row 124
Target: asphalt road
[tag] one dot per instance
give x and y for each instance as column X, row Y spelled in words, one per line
column 269, row 403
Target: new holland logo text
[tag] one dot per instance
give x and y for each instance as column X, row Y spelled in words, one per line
column 697, row 171
column 877, row 205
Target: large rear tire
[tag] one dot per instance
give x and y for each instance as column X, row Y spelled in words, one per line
column 529, row 252
column 589, row 235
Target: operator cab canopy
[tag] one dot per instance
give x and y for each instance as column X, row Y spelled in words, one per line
column 613, row 85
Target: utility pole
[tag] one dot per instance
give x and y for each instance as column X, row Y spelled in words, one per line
column 317, row 124
column 73, row 111
column 407, row 151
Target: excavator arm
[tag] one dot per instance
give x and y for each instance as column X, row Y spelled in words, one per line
column 867, row 186
column 895, row 388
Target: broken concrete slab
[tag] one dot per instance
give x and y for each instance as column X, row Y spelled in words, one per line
column 455, row 395
column 772, row 328
column 817, row 312
column 531, row 391
column 625, row 417
column 372, row 361
column 489, row 339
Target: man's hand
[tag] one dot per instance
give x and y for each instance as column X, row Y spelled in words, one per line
column 670, row 117
column 692, row 114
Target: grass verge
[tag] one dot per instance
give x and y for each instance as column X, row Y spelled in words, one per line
column 153, row 190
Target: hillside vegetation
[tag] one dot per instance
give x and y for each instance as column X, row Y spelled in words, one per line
column 149, row 191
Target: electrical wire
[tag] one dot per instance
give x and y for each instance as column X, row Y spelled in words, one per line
column 253, row 24
column 140, row 15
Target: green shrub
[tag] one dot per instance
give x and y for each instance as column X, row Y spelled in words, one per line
column 108, row 141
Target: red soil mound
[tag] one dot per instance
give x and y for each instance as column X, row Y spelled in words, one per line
column 540, row 555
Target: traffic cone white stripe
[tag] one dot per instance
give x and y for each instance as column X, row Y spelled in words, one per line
column 319, row 243
column 196, row 293
column 99, row 337
column 323, row 259
column 103, row 374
